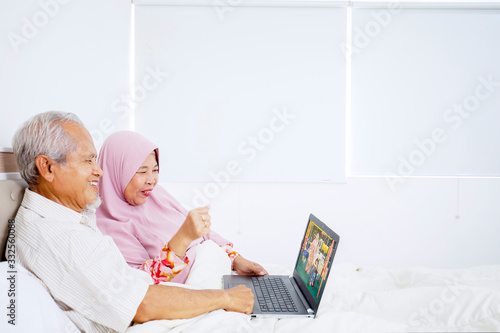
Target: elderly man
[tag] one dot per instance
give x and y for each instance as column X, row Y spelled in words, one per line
column 58, row 241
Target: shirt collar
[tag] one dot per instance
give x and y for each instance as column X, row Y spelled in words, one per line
column 48, row 208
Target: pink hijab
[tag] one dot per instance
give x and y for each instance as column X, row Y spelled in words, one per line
column 140, row 232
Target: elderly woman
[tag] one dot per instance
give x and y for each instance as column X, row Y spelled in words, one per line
column 152, row 230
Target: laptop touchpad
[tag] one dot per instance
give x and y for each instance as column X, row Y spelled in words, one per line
column 232, row 285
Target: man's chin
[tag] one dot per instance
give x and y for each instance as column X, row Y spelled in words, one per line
column 94, row 205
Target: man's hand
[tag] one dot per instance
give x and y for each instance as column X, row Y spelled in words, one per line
column 240, row 299
column 168, row 302
column 243, row 266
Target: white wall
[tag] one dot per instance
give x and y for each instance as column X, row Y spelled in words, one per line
column 68, row 55
column 79, row 62
column 437, row 222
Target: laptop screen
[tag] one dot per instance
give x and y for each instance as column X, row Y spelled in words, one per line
column 315, row 259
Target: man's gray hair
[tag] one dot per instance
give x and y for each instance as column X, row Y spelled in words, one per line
column 43, row 134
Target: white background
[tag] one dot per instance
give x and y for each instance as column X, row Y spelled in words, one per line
column 79, row 61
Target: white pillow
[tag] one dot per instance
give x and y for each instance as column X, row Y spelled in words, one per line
column 210, row 264
column 35, row 310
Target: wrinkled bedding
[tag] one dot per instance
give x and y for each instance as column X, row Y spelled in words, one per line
column 368, row 299
column 356, row 299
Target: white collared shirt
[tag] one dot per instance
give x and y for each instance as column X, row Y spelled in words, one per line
column 82, row 269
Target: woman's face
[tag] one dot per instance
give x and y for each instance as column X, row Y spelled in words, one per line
column 140, row 186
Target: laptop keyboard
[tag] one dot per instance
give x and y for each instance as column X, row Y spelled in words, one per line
column 273, row 295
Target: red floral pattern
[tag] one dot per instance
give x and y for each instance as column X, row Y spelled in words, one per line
column 167, row 265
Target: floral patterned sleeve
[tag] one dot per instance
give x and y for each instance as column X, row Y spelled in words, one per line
column 166, row 266
column 230, row 253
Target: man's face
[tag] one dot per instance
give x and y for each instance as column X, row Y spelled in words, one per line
column 75, row 184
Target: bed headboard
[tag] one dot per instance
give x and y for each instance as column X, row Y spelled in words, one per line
column 11, row 194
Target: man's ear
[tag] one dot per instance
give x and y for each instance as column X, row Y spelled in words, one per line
column 45, row 165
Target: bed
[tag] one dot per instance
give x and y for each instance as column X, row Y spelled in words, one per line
column 356, row 299
column 375, row 299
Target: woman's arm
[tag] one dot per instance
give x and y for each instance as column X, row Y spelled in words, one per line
column 239, row 264
column 244, row 266
column 172, row 259
column 166, row 266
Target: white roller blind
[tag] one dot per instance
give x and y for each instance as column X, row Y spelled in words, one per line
column 426, row 92
column 71, row 56
column 253, row 94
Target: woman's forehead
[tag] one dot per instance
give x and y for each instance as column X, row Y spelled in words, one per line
column 150, row 160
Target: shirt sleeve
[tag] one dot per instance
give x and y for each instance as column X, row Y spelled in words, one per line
column 166, row 266
column 230, row 252
column 90, row 276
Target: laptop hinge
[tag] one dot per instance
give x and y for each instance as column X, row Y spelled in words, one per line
column 302, row 298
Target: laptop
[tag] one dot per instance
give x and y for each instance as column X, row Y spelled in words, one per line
column 281, row 296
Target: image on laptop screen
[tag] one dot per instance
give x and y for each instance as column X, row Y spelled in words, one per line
column 314, row 259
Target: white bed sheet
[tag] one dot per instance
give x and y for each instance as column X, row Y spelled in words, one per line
column 356, row 299
column 367, row 299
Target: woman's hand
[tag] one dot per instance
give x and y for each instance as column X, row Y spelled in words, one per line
column 243, row 266
column 196, row 225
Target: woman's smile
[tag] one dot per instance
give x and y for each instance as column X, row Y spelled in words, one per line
column 147, row 192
